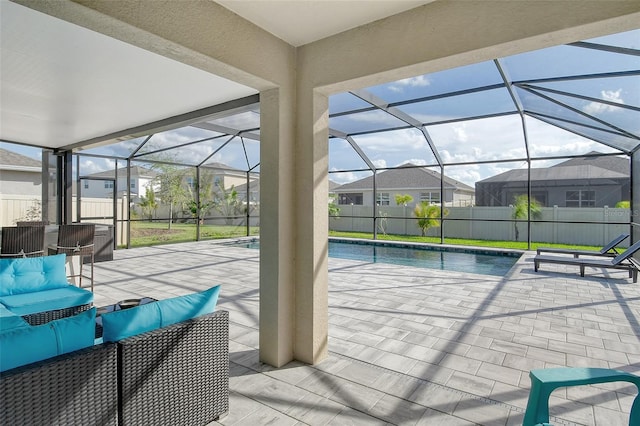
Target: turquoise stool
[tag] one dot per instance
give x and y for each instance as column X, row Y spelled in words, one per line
column 545, row 381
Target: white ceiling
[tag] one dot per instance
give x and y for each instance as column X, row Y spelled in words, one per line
column 62, row 84
column 299, row 22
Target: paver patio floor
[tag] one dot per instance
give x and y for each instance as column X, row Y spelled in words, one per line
column 409, row 346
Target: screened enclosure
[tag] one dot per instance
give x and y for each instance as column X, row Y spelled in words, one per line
column 531, row 148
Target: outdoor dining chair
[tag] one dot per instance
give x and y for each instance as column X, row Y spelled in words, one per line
column 22, row 241
column 77, row 240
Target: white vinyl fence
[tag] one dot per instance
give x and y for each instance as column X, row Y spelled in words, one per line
column 15, row 208
column 493, row 223
column 481, row 223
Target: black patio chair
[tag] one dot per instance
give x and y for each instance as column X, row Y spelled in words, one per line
column 623, row 261
column 607, row 250
column 77, row 240
column 22, row 241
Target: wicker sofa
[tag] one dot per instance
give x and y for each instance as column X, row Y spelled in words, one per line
column 172, row 375
column 37, row 289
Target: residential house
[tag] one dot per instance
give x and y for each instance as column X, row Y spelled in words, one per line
column 101, row 185
column 589, row 181
column 254, row 190
column 421, row 183
column 225, row 176
column 20, row 175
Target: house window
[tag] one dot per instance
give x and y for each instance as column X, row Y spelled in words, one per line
column 430, row 197
column 133, row 185
column 383, row 199
column 217, row 181
column 108, row 184
column 581, row 198
column 350, row 198
column 86, row 184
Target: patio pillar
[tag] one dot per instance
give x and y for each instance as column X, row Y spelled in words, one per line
column 293, row 219
column 277, row 227
column 312, row 228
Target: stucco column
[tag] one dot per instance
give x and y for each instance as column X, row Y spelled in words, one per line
column 294, row 199
column 277, row 227
column 311, row 281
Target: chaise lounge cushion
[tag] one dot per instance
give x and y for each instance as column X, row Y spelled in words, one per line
column 121, row 324
column 27, row 275
column 47, row 300
column 25, row 345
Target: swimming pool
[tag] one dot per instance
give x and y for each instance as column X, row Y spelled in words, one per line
column 458, row 259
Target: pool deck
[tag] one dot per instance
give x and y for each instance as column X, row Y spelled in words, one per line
column 410, row 346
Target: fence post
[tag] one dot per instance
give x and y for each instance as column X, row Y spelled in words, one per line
column 555, row 224
column 605, row 226
column 470, row 222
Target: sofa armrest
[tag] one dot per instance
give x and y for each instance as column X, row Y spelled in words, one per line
column 177, row 374
column 78, row 388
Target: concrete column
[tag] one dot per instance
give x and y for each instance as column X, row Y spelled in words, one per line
column 312, row 197
column 277, row 227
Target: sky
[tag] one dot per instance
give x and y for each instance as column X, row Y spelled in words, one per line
column 613, row 99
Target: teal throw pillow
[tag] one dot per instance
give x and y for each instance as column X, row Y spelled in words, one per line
column 76, row 332
column 118, row 325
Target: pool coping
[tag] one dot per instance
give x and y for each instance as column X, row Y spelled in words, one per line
column 396, row 243
column 430, row 246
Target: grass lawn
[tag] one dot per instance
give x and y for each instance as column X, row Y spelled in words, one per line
column 154, row 233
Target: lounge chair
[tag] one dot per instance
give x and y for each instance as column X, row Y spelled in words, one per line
column 608, row 250
column 622, row 261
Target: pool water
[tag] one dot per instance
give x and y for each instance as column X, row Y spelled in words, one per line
column 458, row 259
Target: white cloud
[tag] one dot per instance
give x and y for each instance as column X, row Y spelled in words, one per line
column 388, row 142
column 89, row 166
column 460, row 132
column 400, row 85
column 380, row 163
column 346, row 177
column 607, row 95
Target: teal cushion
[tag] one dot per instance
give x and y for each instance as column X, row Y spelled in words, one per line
column 9, row 320
column 25, row 345
column 21, row 346
column 118, row 325
column 26, row 275
column 76, row 332
column 48, row 300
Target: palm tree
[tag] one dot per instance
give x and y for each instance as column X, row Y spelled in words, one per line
column 521, row 208
column 334, row 210
column 227, row 203
column 403, row 200
column 428, row 216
